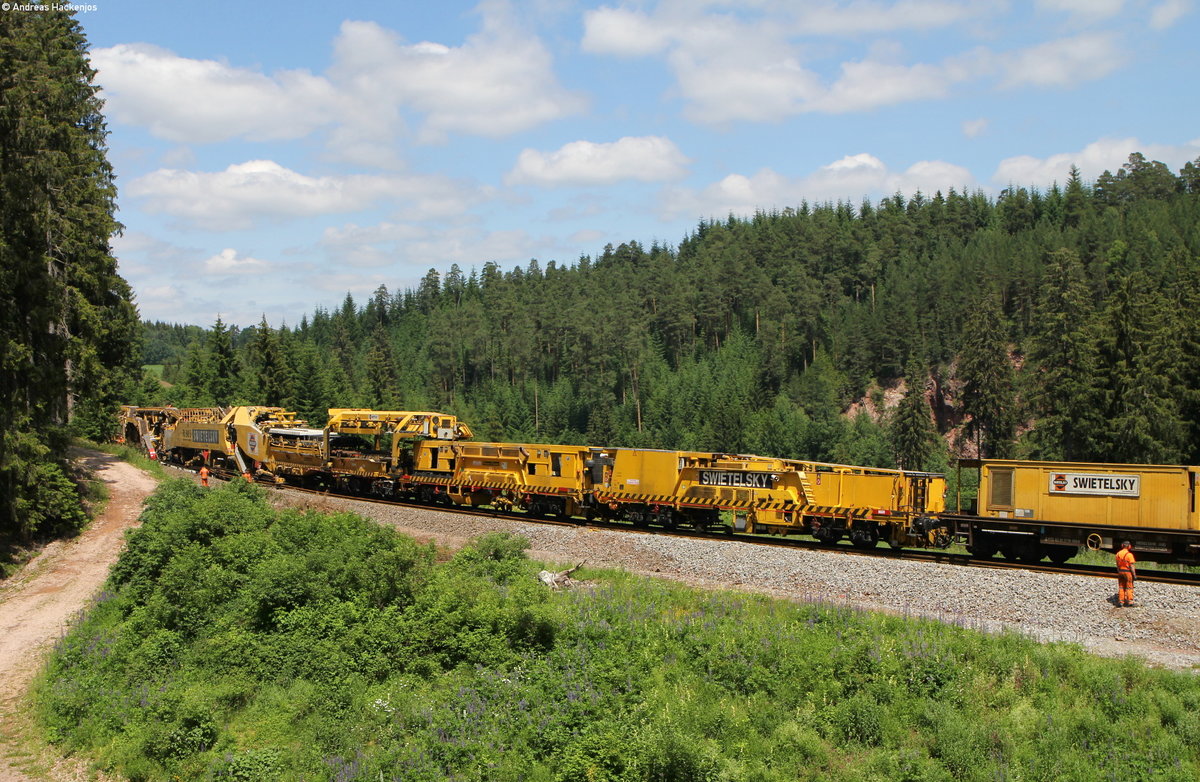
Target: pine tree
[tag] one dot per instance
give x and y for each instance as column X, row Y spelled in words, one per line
column 911, row 432
column 222, row 379
column 68, row 327
column 988, row 396
column 1066, row 386
column 381, row 370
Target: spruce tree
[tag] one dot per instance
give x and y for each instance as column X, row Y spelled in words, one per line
column 1066, row 386
column 1075, row 199
column 988, row 396
column 912, row 433
column 381, row 370
column 271, row 378
column 1141, row 350
column 222, row 378
column 68, row 327
column 197, row 377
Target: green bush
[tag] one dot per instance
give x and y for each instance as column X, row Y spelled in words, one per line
column 236, row 641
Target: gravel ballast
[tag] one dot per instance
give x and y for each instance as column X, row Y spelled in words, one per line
column 1164, row 628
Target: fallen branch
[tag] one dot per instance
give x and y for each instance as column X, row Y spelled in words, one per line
column 560, row 579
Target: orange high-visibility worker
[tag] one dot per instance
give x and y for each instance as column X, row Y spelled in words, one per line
column 204, row 475
column 1126, row 572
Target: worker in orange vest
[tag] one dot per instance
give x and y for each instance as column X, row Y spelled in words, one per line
column 204, row 475
column 1126, row 572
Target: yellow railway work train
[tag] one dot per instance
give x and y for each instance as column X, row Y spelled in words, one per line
column 1026, row 510
column 429, row 456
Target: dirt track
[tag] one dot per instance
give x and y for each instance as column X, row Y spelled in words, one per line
column 37, row 604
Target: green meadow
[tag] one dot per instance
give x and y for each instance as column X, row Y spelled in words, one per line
column 238, row 641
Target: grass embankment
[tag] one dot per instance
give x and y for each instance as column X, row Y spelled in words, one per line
column 238, row 641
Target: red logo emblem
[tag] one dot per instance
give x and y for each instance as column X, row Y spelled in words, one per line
column 1060, row 482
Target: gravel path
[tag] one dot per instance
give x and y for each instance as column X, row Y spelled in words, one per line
column 1164, row 629
column 38, row 603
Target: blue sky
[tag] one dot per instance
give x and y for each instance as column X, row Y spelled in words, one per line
column 273, row 156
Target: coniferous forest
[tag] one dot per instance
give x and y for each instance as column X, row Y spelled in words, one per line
column 1053, row 323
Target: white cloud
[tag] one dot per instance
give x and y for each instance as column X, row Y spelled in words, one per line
column 157, row 294
column 627, row 32
column 761, row 81
column 1105, row 154
column 140, row 253
column 586, row 237
column 499, row 81
column 764, row 61
column 644, row 159
column 623, row 32
column 245, row 192
column 1167, row 13
column 353, row 282
column 412, row 249
column 851, row 178
column 228, row 262
column 751, row 83
column 1063, row 63
column 202, row 101
column 974, row 128
column 369, row 246
column 1092, row 9
column 856, row 18
column 866, row 85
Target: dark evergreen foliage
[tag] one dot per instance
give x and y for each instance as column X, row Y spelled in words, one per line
column 985, row 368
column 913, row 435
column 68, row 327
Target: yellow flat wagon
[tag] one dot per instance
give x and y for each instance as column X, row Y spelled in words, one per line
column 540, row 478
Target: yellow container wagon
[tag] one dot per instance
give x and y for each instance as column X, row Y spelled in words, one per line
column 1027, row 510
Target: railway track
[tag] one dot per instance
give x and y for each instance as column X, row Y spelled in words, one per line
column 922, row 555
